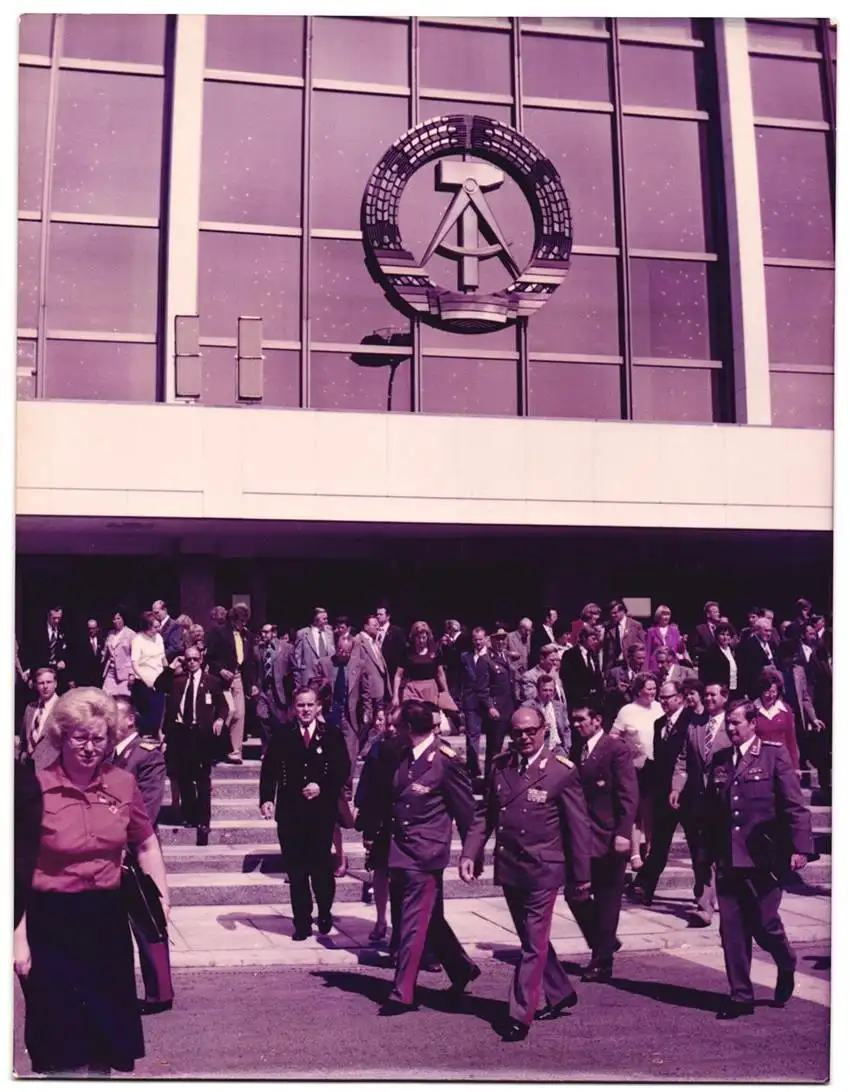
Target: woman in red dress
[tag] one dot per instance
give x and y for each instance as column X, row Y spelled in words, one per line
column 775, row 719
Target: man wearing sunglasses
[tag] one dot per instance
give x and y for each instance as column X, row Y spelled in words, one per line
column 535, row 803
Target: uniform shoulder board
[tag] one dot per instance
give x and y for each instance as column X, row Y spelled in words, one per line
column 770, row 743
column 447, row 751
column 565, row 761
column 149, row 745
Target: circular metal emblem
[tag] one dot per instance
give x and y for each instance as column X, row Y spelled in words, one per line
column 405, row 278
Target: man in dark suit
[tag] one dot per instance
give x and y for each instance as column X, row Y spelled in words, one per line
column 754, row 654
column 581, row 671
column 230, row 657
column 690, row 774
column 195, row 711
column 302, row 777
column 392, row 641
column 671, row 731
column 88, row 657
column 534, row 802
column 544, row 634
column 719, row 664
column 620, row 632
column 755, row 822
column 609, row 783
column 143, row 759
column 369, row 680
column 704, row 635
column 273, row 676
column 804, row 614
column 332, row 680
column 419, row 791
column 453, row 643
column 501, row 704
column 475, row 696
column 169, row 631
column 47, row 646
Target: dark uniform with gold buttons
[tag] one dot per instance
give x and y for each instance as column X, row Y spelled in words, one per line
column 418, row 799
column 542, row 842
column 754, row 820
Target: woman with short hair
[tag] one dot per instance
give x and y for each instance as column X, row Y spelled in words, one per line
column 72, row 948
column 118, row 674
column 635, row 723
column 775, row 720
column 147, row 651
column 663, row 634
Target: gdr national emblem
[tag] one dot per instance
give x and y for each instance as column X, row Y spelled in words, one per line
column 470, row 221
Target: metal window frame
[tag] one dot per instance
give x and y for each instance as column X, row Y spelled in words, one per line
column 306, row 137
column 414, row 115
column 622, row 226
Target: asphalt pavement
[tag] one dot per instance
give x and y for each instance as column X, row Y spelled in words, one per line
column 654, row 1022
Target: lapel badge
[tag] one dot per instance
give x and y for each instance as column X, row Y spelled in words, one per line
column 543, row 762
column 601, row 783
column 537, row 796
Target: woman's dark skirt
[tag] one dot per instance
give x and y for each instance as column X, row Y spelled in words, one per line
column 81, row 1006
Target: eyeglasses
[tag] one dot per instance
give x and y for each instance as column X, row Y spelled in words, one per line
column 516, row 733
column 98, row 742
column 193, row 659
column 666, row 697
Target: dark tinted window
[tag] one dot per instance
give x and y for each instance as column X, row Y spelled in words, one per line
column 673, row 394
column 35, row 34
column 558, row 389
column 800, row 315
column 101, row 371
column 339, row 383
column 29, row 241
column 461, row 59
column 785, row 88
column 796, row 205
column 657, row 76
column 670, row 309
column 281, row 377
column 345, row 303
column 483, row 388
column 34, row 88
column 273, row 44
column 363, row 50
column 565, row 68
column 802, row 400
column 583, row 315
column 139, row 39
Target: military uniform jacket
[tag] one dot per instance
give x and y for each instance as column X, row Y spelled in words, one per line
column 501, row 688
column 540, row 818
column 754, row 814
column 425, row 795
column 288, row 766
column 610, row 787
column 145, row 761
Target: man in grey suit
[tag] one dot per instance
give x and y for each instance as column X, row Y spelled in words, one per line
column 554, row 713
column 273, row 672
column 35, row 746
column 332, row 679
column 690, row 779
column 519, row 646
column 368, row 680
column 312, row 643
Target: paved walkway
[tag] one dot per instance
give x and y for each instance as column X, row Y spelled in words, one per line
column 260, row 935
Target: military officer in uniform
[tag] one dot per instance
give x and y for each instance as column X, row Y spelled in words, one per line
column 534, row 802
column 609, row 783
column 755, row 820
column 421, row 789
column 302, row 777
column 500, row 702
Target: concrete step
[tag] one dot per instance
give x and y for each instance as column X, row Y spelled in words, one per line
column 210, row 889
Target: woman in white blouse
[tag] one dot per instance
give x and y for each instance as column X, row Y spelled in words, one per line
column 118, row 662
column 147, row 653
column 636, row 724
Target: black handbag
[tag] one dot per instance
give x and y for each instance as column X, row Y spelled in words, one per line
column 143, row 901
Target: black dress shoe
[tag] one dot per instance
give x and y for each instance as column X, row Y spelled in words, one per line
column 784, row 988
column 733, row 1009
column 395, row 1008
column 324, row 923
column 302, row 934
column 431, row 967
column 457, row 988
column 598, row 974
column 552, row 1012
column 515, row 1032
column 203, row 837
column 149, row 1008
column 187, row 823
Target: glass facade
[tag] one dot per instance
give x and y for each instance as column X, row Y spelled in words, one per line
column 296, row 112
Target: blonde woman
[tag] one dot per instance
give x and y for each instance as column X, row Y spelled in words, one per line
column 635, row 723
column 421, row 675
column 72, row 949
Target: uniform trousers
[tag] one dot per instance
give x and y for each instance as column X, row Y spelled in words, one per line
column 308, row 862
column 539, row 967
column 664, row 824
column 598, row 916
column 748, row 902
column 422, row 921
column 473, row 720
column 191, row 759
column 495, row 732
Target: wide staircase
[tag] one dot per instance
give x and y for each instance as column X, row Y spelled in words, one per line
column 242, row 863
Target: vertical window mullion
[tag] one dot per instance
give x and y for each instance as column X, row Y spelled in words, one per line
column 627, row 400
column 522, row 323
column 306, row 228
column 416, row 330
column 46, row 204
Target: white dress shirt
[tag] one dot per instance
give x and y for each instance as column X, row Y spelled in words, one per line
column 589, row 744
column 739, row 752
column 421, row 747
column 733, row 668
column 121, row 747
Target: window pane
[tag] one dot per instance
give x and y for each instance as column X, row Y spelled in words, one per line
column 32, row 135
column 108, row 144
column 664, row 184
column 566, row 23
column 256, row 43
column 25, row 388
column 363, row 50
column 657, row 76
column 256, row 275
column 338, row 383
column 29, row 241
column 659, row 28
column 251, row 170
column 281, row 377
column 802, row 400
column 100, row 370
column 350, row 134
column 796, row 204
column 36, row 34
column 435, row 108
column 139, row 39
column 465, row 60
column 481, row 388
column 800, row 315
column 345, row 303
column 786, row 89
column 565, row 68
column 780, row 36
column 670, row 310
column 26, row 360
column 102, row 278
column 580, row 146
column 558, row 389
column 583, row 316
column 673, row 394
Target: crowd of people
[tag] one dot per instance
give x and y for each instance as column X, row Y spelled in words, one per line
column 600, row 738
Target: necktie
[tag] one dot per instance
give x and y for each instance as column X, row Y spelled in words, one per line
column 305, row 734
column 323, row 645
column 240, row 647
column 54, row 636
column 340, row 695
column 36, row 727
column 585, row 753
column 94, row 645
column 380, row 638
column 711, row 729
column 188, row 711
column 268, row 660
column 668, row 731
column 737, row 756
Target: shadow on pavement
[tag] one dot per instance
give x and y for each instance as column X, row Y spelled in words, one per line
column 818, row 962
column 685, row 997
